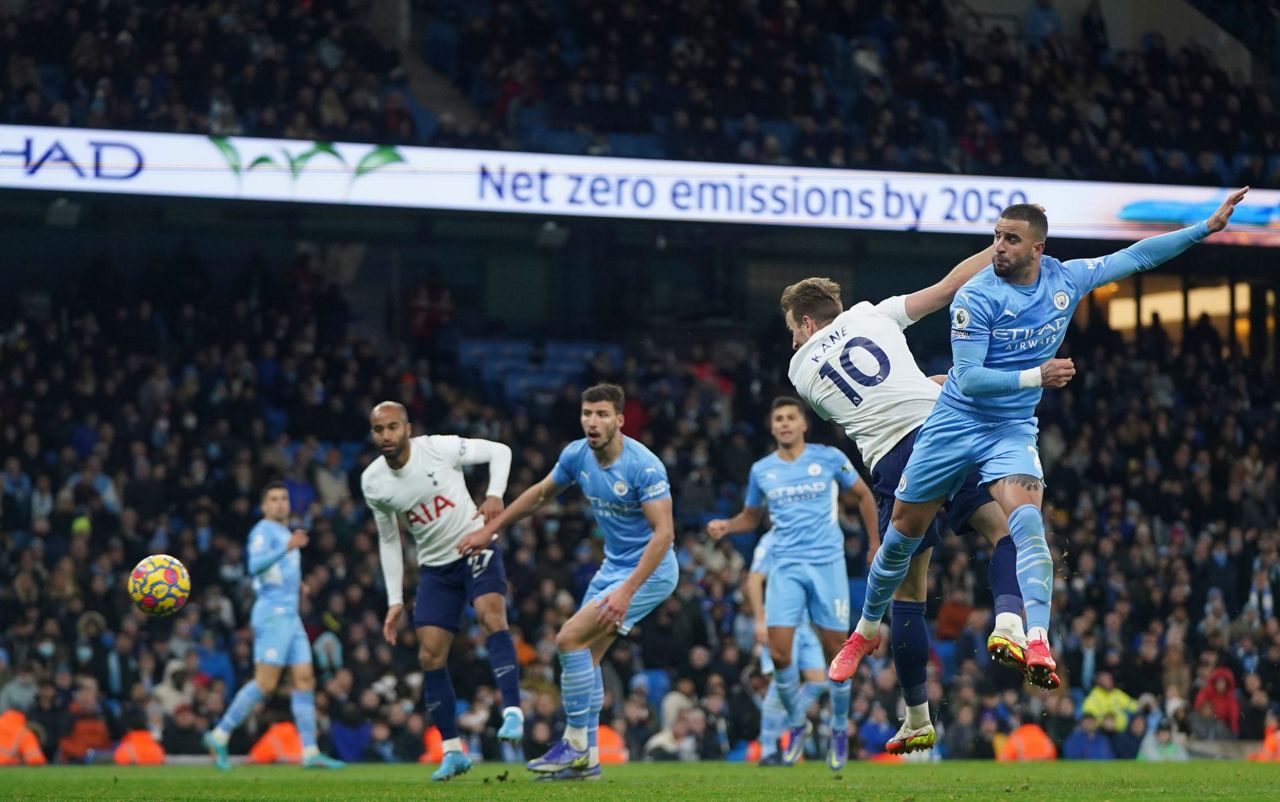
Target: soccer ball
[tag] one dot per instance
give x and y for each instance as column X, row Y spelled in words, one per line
column 160, row 585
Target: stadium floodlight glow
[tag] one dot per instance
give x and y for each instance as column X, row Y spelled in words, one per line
column 302, row 171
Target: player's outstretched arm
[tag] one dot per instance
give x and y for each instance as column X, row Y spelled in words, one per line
column 528, row 501
column 937, row 296
column 745, row 521
column 1154, row 251
column 612, row 607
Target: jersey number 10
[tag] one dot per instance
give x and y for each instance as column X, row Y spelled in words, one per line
column 828, row 371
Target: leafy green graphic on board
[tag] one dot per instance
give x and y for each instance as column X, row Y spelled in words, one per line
column 378, row 157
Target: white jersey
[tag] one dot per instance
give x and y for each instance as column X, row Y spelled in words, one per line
column 859, row 372
column 429, row 497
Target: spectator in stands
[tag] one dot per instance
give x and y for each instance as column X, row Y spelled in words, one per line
column 1087, row 743
column 1163, row 744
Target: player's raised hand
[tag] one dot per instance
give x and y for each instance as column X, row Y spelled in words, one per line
column 611, row 608
column 718, row 528
column 478, row 540
column 1056, row 373
column 490, row 508
column 1218, row 220
column 392, row 623
column 297, row 540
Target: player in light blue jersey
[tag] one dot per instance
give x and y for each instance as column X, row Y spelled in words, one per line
column 278, row 637
column 1007, row 322
column 801, row 485
column 631, row 499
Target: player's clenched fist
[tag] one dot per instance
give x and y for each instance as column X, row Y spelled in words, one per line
column 717, row 528
column 297, row 540
column 1056, row 373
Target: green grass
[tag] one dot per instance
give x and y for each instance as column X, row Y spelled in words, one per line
column 726, row 782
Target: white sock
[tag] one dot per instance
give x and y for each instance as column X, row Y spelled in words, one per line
column 576, row 736
column 453, row 745
column 1010, row 623
column 867, row 629
column 918, row 715
column 1038, row 633
column 516, row 710
column 594, row 759
column 220, row 737
column 310, row 751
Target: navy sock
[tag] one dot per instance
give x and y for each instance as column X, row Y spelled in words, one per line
column 437, row 690
column 1002, row 574
column 502, row 659
column 911, row 650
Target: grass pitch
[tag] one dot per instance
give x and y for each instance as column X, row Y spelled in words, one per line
column 1052, row 782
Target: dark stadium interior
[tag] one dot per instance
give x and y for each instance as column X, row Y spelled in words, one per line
column 160, row 360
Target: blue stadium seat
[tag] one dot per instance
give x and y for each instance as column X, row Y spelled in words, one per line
column 946, row 651
column 659, row 682
column 857, row 593
column 440, row 47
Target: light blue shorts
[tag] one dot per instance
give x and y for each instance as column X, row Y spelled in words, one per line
column 655, row 590
column 280, row 640
column 822, row 589
column 806, row 652
column 951, row 444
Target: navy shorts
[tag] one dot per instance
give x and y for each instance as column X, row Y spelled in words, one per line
column 887, row 475
column 444, row 590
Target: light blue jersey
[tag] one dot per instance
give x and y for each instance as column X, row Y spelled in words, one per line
column 278, row 635
column 616, row 494
column 999, row 329
column 277, row 572
column 802, row 499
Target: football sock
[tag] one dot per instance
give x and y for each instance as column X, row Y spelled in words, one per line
column 1035, row 564
column 888, row 569
column 911, row 650
column 442, row 705
column 1002, row 575
column 502, row 659
column 787, row 681
column 593, row 723
column 841, row 696
column 577, row 681
column 241, row 706
column 773, row 719
column 304, row 716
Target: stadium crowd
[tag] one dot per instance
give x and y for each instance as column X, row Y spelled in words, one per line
column 275, row 69
column 918, row 85
column 889, row 84
column 130, row 427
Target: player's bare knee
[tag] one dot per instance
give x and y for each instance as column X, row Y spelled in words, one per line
column 567, row 641
column 492, row 621
column 781, row 657
column 304, row 682
column 267, row 684
column 906, row 594
column 431, row 659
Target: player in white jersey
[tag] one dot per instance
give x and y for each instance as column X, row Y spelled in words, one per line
column 854, row 367
column 418, row 483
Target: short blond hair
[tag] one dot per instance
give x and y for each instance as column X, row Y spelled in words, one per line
column 819, row 298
